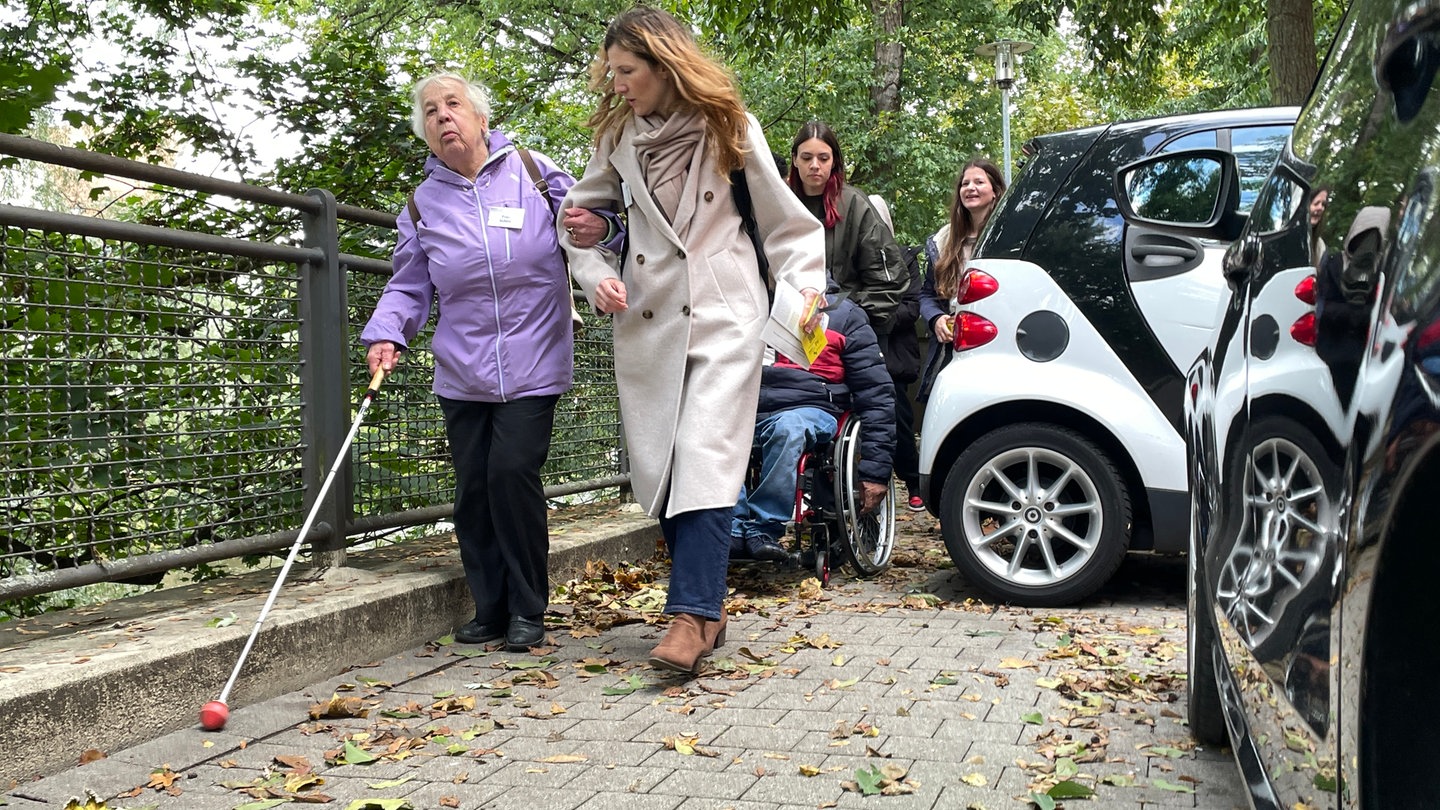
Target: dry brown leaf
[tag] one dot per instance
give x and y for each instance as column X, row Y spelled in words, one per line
column 338, row 707
column 299, row 764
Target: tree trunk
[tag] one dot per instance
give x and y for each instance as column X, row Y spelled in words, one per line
column 1290, row 26
column 889, row 56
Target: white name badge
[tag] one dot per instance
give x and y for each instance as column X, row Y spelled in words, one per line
column 513, row 218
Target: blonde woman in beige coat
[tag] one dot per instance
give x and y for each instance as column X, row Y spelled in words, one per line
column 689, row 303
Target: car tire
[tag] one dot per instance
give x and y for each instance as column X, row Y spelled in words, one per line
column 1267, row 585
column 980, row 516
column 1203, row 709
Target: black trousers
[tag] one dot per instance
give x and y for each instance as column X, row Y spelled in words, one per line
column 907, row 458
column 500, row 520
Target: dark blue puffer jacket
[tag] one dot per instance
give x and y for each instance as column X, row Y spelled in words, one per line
column 848, row 375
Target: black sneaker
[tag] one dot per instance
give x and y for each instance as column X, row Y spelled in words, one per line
column 524, row 633
column 474, row 632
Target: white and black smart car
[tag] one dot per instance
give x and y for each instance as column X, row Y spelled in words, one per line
column 1052, row 443
column 1313, row 431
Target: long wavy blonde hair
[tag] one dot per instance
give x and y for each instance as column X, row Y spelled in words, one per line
column 700, row 82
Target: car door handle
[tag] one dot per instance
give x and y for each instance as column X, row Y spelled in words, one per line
column 1146, row 250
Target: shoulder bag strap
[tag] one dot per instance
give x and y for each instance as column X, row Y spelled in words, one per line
column 540, row 183
column 543, row 186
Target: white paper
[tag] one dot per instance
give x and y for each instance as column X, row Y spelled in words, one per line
column 783, row 328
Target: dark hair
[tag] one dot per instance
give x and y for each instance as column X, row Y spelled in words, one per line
column 1315, row 226
column 952, row 257
column 831, row 193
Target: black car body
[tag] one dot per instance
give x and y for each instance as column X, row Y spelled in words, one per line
column 1313, row 433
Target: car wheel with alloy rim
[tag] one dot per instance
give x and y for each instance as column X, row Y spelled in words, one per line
column 1035, row 514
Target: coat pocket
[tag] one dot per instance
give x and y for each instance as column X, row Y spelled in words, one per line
column 733, row 284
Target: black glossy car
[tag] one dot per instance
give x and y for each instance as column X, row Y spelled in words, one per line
column 1313, row 425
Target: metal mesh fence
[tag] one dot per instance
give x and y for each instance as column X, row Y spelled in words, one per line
column 150, row 399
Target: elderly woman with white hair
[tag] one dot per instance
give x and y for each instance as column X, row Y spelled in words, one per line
column 479, row 237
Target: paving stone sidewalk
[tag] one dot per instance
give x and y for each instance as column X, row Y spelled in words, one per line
column 910, row 677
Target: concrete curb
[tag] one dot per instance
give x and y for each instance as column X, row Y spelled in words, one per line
column 136, row 669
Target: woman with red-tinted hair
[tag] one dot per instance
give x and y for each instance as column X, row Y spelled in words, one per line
column 860, row 253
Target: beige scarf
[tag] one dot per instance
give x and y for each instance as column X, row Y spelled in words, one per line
column 669, row 151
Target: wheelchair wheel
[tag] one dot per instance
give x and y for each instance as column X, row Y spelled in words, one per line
column 815, row 554
column 867, row 539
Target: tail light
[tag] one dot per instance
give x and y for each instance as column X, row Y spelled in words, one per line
column 1303, row 330
column 976, row 285
column 1305, row 290
column 972, row 331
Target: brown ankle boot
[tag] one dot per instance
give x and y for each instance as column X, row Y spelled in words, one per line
column 715, row 631
column 683, row 645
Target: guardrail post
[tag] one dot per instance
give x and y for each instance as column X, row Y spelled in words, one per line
column 324, row 338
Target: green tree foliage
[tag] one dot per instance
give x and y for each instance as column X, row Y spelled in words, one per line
column 1183, row 56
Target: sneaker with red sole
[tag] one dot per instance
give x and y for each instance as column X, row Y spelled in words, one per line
column 917, row 503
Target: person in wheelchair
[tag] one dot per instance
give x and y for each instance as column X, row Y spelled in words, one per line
column 800, row 408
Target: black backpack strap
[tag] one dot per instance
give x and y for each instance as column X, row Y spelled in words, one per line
column 414, row 210
column 536, row 179
column 740, row 190
column 740, row 187
column 543, row 186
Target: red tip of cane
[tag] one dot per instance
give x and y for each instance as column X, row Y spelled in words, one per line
column 213, row 715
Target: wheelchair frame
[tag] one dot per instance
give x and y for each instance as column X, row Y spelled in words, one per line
column 827, row 514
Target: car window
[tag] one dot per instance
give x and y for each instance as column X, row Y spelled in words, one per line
column 1195, row 140
column 1275, row 204
column 1255, row 150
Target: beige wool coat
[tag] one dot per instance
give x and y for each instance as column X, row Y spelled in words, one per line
column 688, row 347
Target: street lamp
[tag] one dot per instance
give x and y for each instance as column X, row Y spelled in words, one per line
column 1004, row 52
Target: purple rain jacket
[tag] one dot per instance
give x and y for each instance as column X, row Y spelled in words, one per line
column 503, row 329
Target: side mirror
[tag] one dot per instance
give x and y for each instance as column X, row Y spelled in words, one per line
column 1195, row 191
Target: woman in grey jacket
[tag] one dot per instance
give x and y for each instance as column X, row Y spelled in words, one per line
column 689, row 303
column 479, row 238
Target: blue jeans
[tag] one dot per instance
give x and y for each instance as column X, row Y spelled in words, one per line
column 699, row 561
column 782, row 438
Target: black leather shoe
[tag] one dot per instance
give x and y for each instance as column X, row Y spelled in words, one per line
column 475, row 632
column 524, row 633
column 762, row 548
